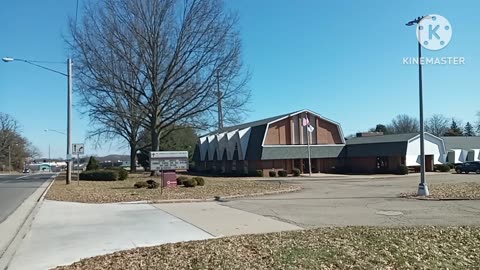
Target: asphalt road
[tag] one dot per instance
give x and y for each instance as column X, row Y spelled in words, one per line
column 364, row 202
column 14, row 189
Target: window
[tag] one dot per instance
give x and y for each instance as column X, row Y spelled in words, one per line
column 382, row 162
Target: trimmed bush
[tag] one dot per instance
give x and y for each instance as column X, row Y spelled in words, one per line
column 296, row 172
column 272, row 173
column 180, row 180
column 122, row 173
column 443, row 167
column 92, row 164
column 99, row 175
column 151, row 184
column 282, row 173
column 451, row 165
column 402, row 170
column 259, row 173
column 190, row 183
column 199, row 180
column 141, row 184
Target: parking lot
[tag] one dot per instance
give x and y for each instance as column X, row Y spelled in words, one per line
column 364, row 201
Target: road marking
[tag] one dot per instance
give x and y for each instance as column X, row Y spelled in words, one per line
column 22, row 177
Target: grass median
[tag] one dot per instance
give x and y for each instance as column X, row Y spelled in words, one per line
column 123, row 191
column 450, row 191
column 324, row 248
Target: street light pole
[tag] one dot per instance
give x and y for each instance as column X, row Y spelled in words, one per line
column 69, row 76
column 422, row 187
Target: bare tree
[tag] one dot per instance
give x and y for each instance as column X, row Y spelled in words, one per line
column 162, row 61
column 437, row 125
column 478, row 122
column 404, row 124
column 12, row 144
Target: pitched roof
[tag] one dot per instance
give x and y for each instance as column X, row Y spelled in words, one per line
column 250, row 124
column 382, row 139
column 461, row 142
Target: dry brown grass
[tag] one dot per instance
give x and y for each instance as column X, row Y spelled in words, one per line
column 445, row 191
column 123, row 191
column 326, row 248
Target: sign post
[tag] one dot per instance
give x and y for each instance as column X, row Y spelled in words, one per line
column 167, row 162
column 78, row 149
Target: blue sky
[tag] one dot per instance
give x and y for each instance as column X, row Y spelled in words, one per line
column 342, row 59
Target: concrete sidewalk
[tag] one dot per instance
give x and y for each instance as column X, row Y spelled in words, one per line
column 65, row 232
column 220, row 220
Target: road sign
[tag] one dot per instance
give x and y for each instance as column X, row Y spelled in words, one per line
column 168, row 160
column 78, row 149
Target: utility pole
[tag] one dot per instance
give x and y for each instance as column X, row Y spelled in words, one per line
column 69, row 123
column 219, row 103
column 9, row 158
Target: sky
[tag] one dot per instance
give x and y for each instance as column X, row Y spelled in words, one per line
column 341, row 59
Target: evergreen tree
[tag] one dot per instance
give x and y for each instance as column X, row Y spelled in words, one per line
column 92, row 164
column 469, row 130
column 454, row 130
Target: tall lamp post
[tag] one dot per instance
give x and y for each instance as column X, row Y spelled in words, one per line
column 69, row 106
column 422, row 187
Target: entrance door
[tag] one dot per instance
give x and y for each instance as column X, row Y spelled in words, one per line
column 429, row 163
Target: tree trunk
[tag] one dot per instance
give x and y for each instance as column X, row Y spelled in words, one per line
column 133, row 158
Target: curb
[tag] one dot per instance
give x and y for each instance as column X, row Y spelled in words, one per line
column 218, row 198
column 11, row 248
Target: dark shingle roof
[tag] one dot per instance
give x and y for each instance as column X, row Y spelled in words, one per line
column 301, row 151
column 250, row 124
column 382, row 139
column 461, row 142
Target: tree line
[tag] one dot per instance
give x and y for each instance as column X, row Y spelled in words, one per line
column 148, row 68
column 437, row 124
column 14, row 148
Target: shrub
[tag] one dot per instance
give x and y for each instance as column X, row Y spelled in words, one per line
column 92, row 164
column 282, row 173
column 272, row 173
column 451, row 165
column 180, row 180
column 443, row 167
column 99, row 175
column 199, row 180
column 190, row 183
column 122, row 173
column 402, row 170
column 296, row 172
column 259, row 173
column 141, row 184
column 152, row 184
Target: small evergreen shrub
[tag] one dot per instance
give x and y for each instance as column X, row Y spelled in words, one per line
column 180, row 180
column 272, row 173
column 199, row 180
column 443, row 167
column 451, row 165
column 296, row 172
column 141, row 184
column 151, row 184
column 259, row 173
column 282, row 173
column 122, row 173
column 189, row 183
column 402, row 170
column 99, row 175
